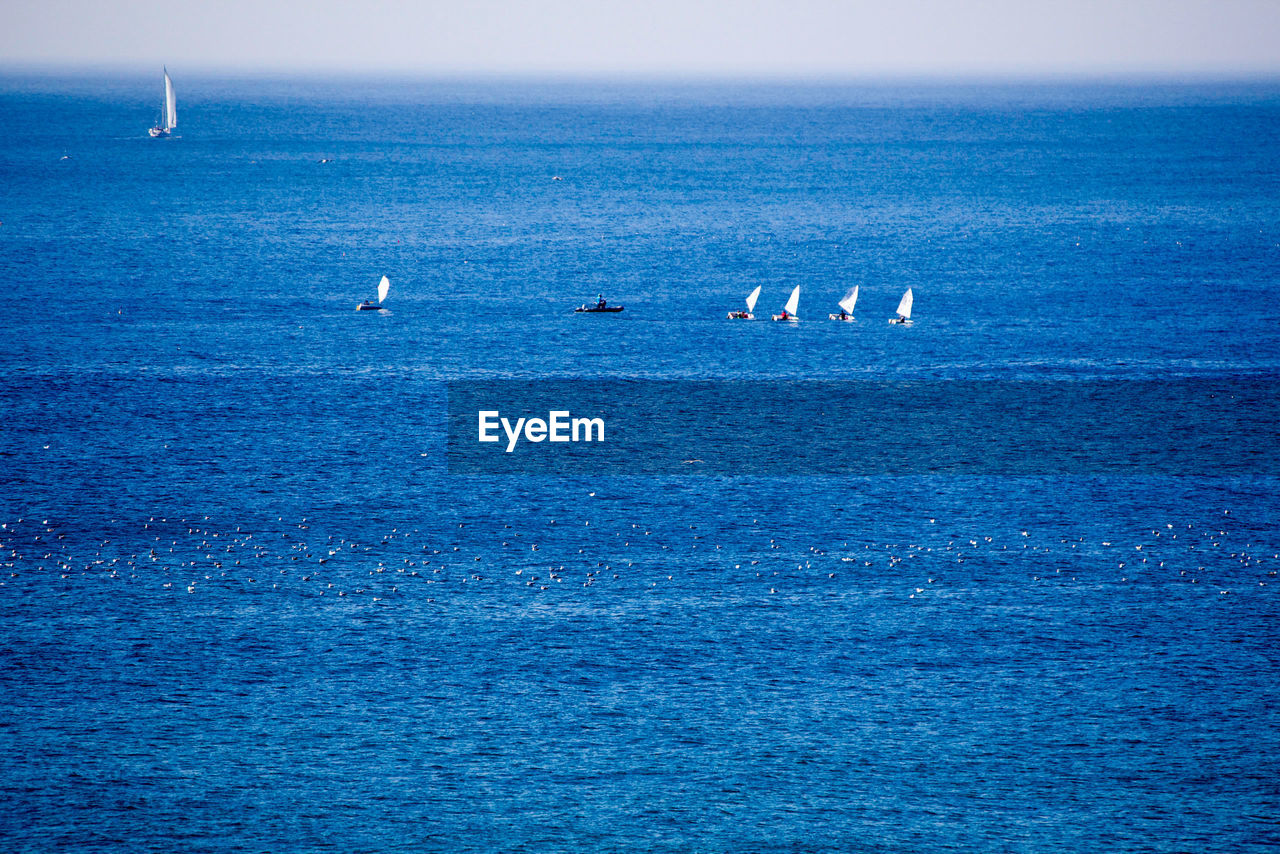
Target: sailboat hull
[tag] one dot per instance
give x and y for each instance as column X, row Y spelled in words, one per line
column 848, row 318
column 741, row 315
column 901, row 321
column 158, row 133
column 613, row 309
column 368, row 307
column 790, row 318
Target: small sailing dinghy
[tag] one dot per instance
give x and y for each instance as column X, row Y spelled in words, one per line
column 601, row 307
column 383, row 287
column 168, row 111
column 846, row 306
column 904, row 310
column 789, row 310
column 751, row 306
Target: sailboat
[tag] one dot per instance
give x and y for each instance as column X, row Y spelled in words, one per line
column 169, row 111
column 383, row 287
column 751, row 306
column 846, row 306
column 789, row 310
column 904, row 310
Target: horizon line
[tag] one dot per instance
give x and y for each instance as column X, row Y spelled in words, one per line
column 933, row 75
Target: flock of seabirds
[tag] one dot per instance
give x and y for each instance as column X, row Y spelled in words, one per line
column 294, row 556
column 788, row 313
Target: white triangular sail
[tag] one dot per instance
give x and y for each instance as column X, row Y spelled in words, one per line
column 170, row 103
column 849, row 301
column 751, row 299
column 383, row 287
column 793, row 302
column 904, row 307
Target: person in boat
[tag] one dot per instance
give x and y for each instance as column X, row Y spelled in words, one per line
column 784, row 314
column 366, row 303
column 600, row 300
column 844, row 315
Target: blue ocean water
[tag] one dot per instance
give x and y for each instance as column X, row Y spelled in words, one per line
column 246, row 606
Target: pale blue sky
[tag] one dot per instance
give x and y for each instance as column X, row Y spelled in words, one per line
column 682, row 37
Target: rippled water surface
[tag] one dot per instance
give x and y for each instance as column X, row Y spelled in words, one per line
column 246, row 606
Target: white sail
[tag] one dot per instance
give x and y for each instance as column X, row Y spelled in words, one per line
column 170, row 103
column 793, row 302
column 904, row 307
column 849, row 301
column 383, row 287
column 751, row 299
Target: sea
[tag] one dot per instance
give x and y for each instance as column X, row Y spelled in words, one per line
column 1000, row 580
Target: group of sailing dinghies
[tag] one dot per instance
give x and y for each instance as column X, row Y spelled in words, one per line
column 788, row 311
column 846, row 308
column 169, row 120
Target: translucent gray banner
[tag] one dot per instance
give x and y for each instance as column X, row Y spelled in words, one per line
column 1195, row 426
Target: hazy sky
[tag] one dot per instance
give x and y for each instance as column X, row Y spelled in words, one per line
column 787, row 37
